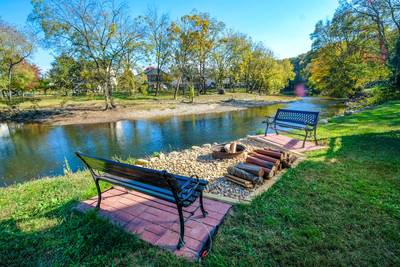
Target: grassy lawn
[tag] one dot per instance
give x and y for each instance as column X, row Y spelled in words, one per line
column 124, row 99
column 339, row 207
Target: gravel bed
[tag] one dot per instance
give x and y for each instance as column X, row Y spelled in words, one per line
column 198, row 160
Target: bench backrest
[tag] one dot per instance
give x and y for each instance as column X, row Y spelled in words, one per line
column 297, row 116
column 143, row 175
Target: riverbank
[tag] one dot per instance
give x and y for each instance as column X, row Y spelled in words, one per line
column 340, row 206
column 80, row 111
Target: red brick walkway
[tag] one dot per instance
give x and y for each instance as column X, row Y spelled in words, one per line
column 157, row 221
column 289, row 143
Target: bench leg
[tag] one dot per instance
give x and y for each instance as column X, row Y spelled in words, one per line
column 315, row 137
column 96, row 181
column 266, row 130
column 305, row 138
column 181, row 242
column 202, row 205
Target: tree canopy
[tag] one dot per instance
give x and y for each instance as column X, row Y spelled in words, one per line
column 355, row 49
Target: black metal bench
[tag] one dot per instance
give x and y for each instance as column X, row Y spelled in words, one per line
column 181, row 190
column 294, row 119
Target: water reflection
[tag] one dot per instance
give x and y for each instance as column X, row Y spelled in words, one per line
column 34, row 150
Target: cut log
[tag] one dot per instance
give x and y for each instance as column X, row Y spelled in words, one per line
column 273, row 149
column 289, row 162
column 273, row 161
column 244, row 175
column 270, row 153
column 285, row 154
column 254, row 169
column 268, row 173
column 292, row 159
column 273, row 144
column 232, row 148
column 260, row 162
column 239, row 181
column 227, row 148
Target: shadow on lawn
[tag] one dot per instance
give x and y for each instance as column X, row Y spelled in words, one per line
column 341, row 206
column 67, row 237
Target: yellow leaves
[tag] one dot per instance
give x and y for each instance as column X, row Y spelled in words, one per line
column 112, row 30
column 340, row 70
column 175, row 29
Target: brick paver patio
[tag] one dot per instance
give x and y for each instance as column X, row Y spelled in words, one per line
column 289, row 143
column 157, row 222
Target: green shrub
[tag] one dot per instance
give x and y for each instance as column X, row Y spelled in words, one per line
column 191, row 92
column 260, row 131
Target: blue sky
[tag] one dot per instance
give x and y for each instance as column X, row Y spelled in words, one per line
column 283, row 25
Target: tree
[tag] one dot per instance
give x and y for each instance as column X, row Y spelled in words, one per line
column 26, row 77
column 126, row 81
column 301, row 66
column 395, row 67
column 16, row 46
column 205, row 32
column 376, row 13
column 65, row 73
column 182, row 47
column 240, row 47
column 345, row 60
column 222, row 58
column 97, row 31
column 158, row 40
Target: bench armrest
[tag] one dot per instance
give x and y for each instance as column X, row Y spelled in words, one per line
column 311, row 125
column 190, row 190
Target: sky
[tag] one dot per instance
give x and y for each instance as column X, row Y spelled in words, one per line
column 284, row 26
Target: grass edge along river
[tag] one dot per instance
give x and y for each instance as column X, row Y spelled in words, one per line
column 341, row 206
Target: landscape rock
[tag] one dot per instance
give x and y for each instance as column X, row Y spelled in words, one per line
column 198, row 160
column 174, row 153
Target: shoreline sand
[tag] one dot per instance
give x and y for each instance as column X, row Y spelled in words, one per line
column 86, row 115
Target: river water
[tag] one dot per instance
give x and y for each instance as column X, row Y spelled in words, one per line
column 30, row 151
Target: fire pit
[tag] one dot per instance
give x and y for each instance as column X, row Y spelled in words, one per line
column 227, row 151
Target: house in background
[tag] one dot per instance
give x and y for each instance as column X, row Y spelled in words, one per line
column 152, row 73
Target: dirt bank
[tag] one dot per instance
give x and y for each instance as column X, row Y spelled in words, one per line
column 95, row 113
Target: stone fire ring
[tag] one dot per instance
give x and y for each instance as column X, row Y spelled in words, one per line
column 219, row 152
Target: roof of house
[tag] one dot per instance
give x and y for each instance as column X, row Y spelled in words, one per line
column 152, row 71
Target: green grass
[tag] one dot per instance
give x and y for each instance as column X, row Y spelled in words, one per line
column 339, row 207
column 124, row 99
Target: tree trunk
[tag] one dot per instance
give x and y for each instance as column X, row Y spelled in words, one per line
column 9, row 82
column 178, row 83
column 157, row 82
column 108, row 96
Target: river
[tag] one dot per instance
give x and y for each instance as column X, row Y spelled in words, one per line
column 32, row 150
